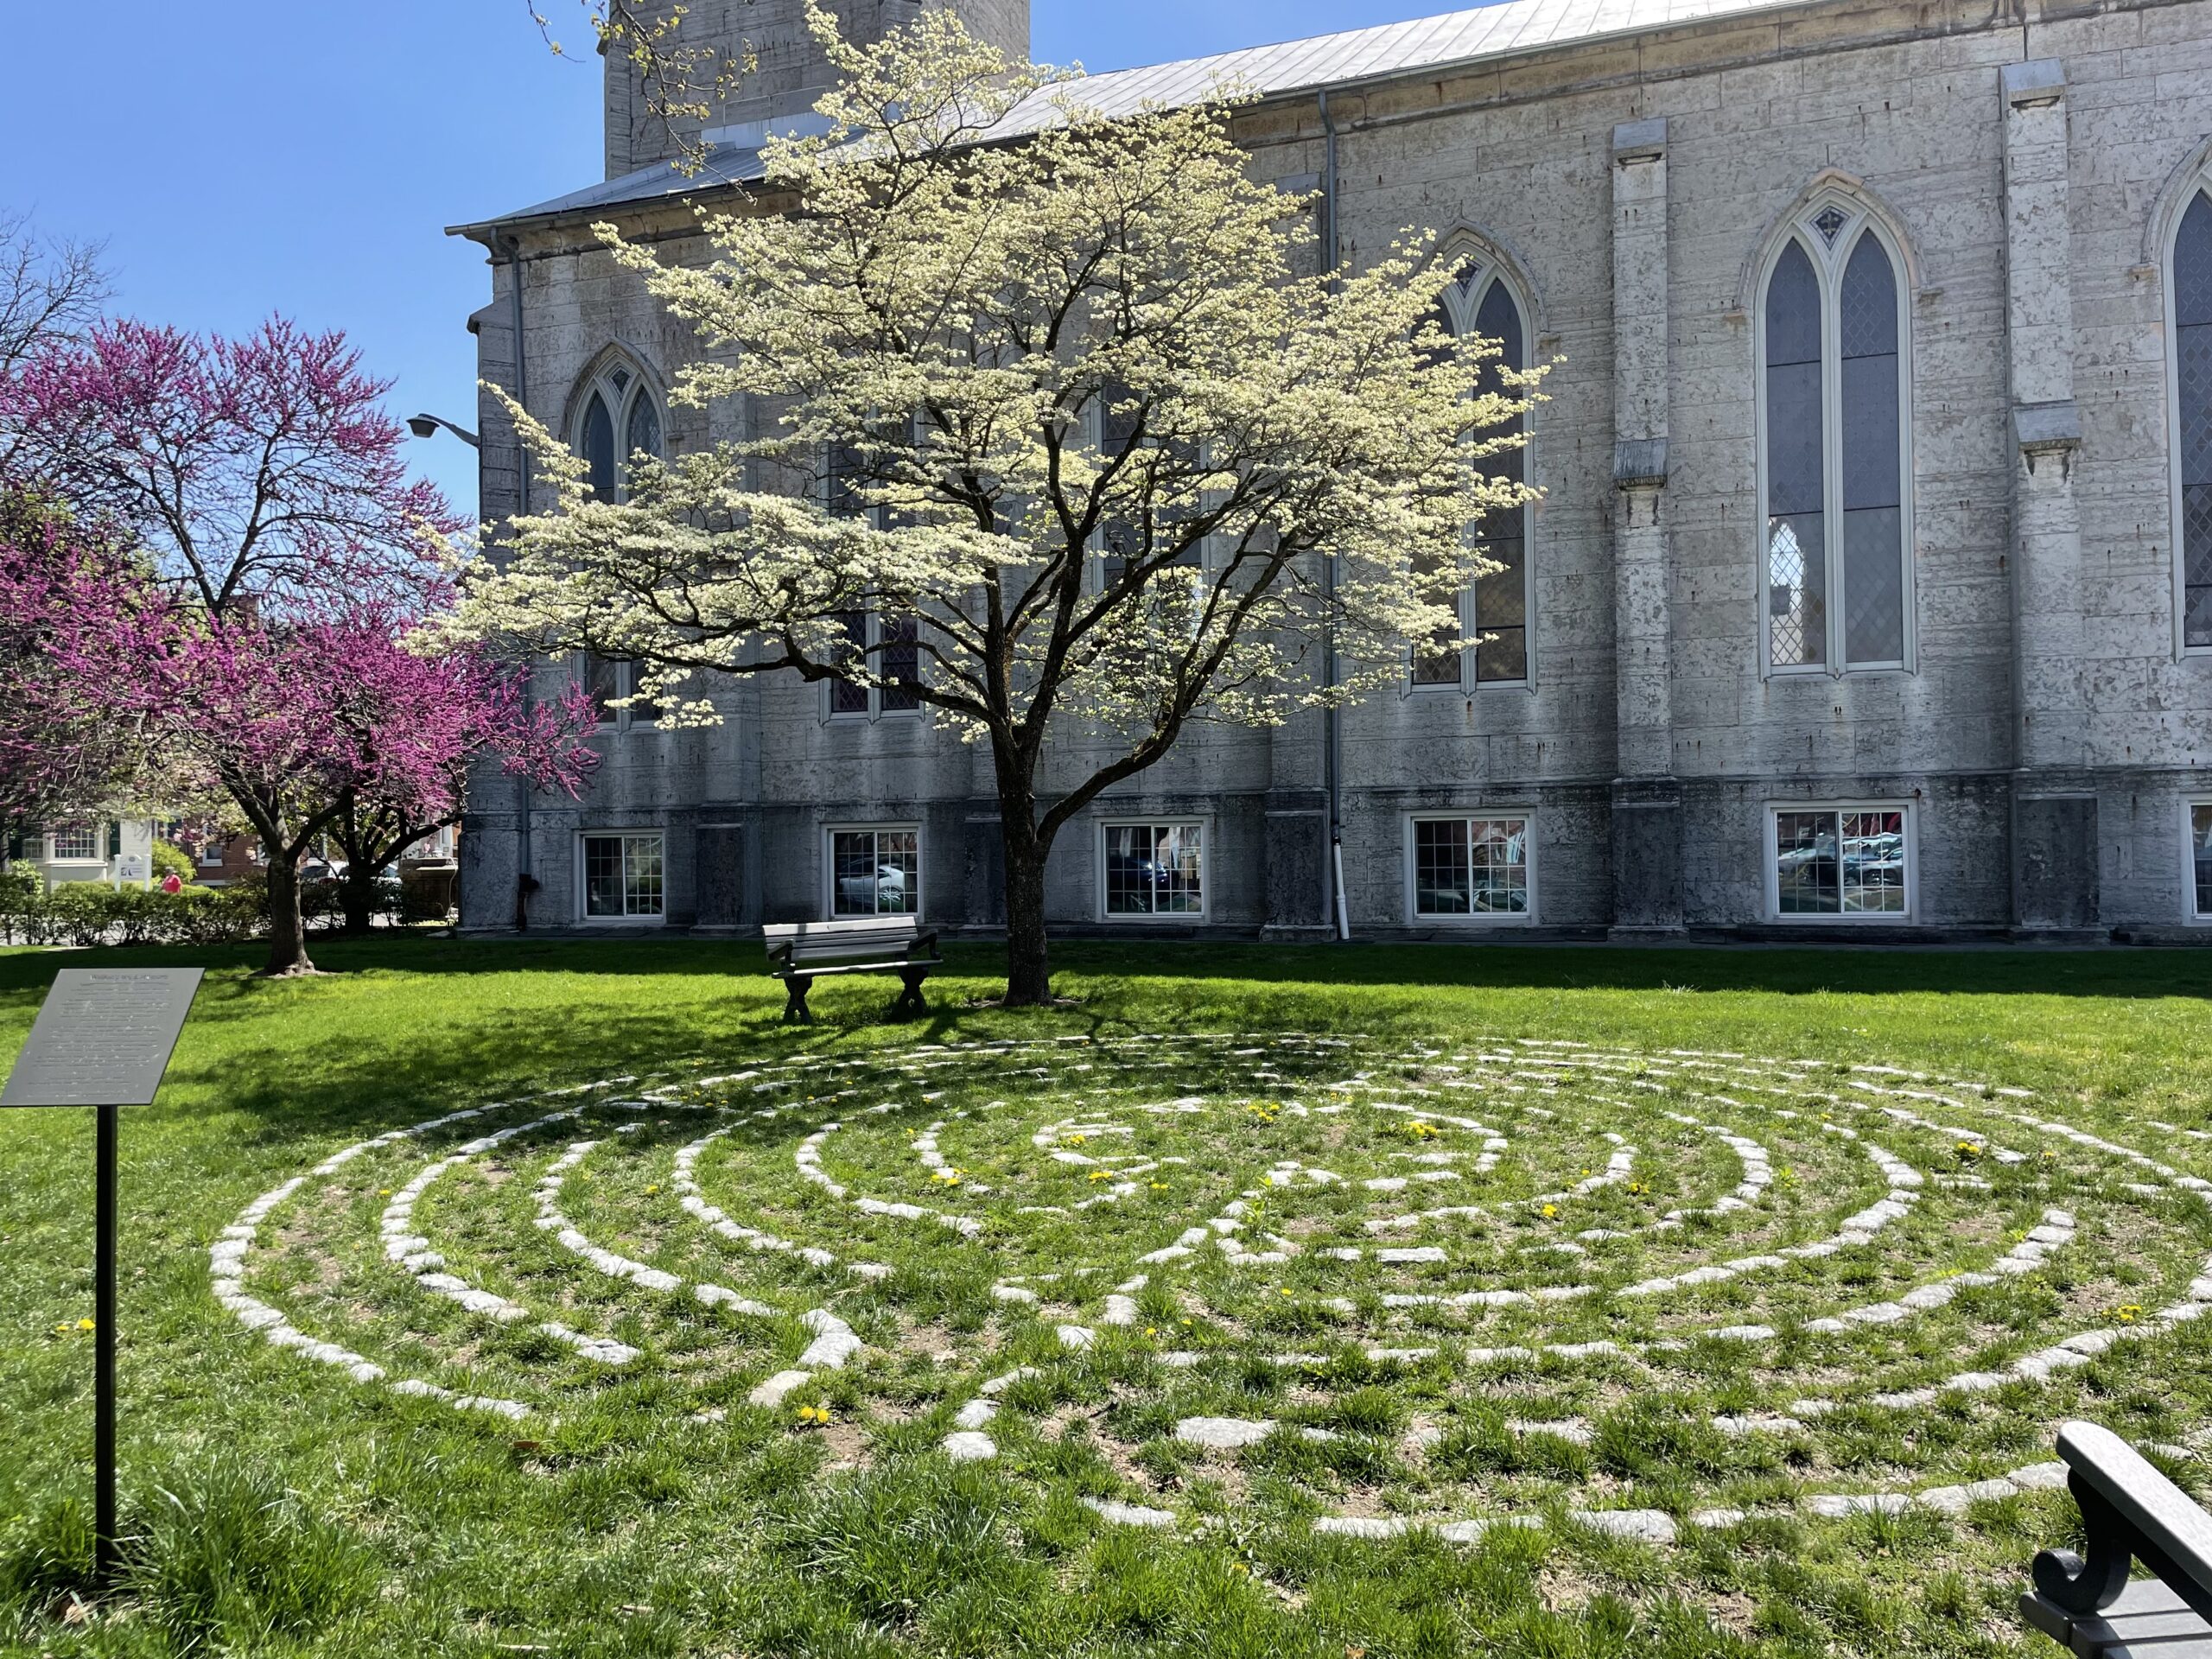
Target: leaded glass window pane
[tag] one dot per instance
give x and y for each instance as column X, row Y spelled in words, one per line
column 1797, row 587
column 900, row 661
column 643, row 709
column 599, row 447
column 645, row 426
column 1796, row 478
column 2199, row 852
column 1436, row 660
column 2192, row 288
column 842, row 475
column 1154, row 869
column 1502, row 597
column 851, row 696
column 1873, row 522
column 1120, row 539
column 603, row 677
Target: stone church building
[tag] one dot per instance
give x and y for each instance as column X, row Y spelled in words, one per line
column 1870, row 592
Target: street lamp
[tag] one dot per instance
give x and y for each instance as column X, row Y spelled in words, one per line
column 426, row 426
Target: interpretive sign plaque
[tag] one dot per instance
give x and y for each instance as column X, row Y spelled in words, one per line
column 104, row 1038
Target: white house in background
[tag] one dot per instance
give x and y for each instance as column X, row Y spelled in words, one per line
column 117, row 851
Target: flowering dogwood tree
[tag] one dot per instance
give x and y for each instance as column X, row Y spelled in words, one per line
column 1064, row 401
column 256, row 638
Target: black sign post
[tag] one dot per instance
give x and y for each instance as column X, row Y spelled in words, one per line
column 102, row 1039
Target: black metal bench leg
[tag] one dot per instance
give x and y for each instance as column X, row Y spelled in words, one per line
column 909, row 1002
column 795, row 1009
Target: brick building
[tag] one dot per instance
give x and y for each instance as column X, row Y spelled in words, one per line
column 1871, row 591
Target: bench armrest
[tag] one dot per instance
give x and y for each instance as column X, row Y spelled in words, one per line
column 2129, row 1512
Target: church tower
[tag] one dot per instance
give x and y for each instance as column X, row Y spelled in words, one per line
column 783, row 67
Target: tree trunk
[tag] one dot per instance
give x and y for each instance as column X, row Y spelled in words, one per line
column 357, row 895
column 1028, row 960
column 288, row 934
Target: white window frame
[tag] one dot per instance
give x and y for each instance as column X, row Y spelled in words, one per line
column 621, row 405
column 1462, row 303
column 98, row 856
column 1483, row 919
column 641, row 919
column 905, row 827
column 2190, row 914
column 1828, row 264
column 2169, row 243
column 1771, row 853
column 1157, row 821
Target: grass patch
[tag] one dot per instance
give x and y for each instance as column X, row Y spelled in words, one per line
column 648, row 1508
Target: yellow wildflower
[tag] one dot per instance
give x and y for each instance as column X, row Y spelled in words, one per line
column 1550, row 1210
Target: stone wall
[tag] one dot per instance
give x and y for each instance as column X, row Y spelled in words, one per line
column 2048, row 731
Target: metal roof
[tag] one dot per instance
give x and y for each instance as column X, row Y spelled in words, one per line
column 1457, row 38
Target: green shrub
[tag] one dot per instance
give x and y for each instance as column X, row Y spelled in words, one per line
column 83, row 913
column 23, row 906
column 227, row 914
column 170, row 859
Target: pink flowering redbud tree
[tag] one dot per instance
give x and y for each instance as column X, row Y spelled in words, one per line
column 283, row 555
column 262, row 474
column 64, row 751
column 419, row 724
column 305, row 723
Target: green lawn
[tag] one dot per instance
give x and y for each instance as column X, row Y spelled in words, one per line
column 1428, row 1229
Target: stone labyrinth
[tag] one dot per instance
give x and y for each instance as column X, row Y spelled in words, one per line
column 1445, row 1287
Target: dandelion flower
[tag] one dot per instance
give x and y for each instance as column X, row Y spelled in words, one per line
column 86, row 1324
column 1550, row 1210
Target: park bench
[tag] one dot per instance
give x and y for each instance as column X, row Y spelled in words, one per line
column 2130, row 1512
column 801, row 952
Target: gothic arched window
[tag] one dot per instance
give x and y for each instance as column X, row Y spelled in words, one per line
column 1497, row 611
column 1831, row 357
column 2191, row 287
column 618, row 418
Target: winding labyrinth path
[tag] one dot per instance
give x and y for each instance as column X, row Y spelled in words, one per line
column 1442, row 1286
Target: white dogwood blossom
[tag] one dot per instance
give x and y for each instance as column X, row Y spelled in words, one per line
column 1071, row 401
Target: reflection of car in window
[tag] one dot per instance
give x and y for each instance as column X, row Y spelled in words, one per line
column 884, row 891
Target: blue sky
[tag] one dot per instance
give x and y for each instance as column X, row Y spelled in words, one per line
column 305, row 155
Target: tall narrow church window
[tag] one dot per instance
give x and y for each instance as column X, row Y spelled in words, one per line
column 2192, row 299
column 618, row 420
column 1496, row 612
column 1833, row 398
